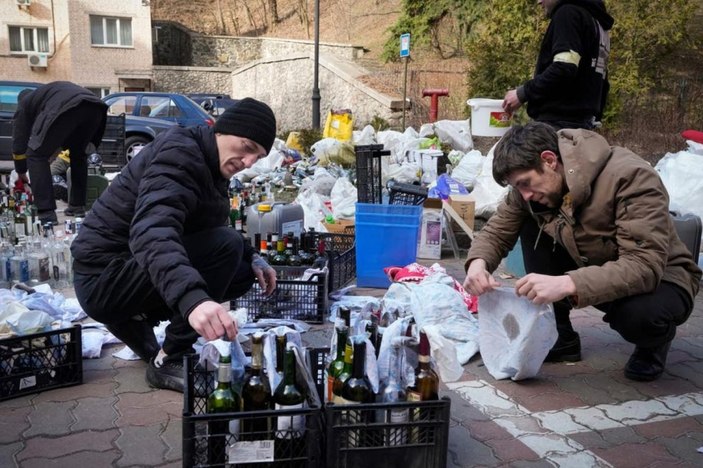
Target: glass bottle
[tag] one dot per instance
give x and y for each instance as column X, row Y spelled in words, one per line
column 294, row 258
column 345, row 374
column 272, row 240
column 426, row 379
column 357, row 388
column 393, row 392
column 281, row 341
column 289, row 396
column 337, row 365
column 280, row 258
column 343, row 317
column 222, row 400
column 256, row 394
column 321, row 257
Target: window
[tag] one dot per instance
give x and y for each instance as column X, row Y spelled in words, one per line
column 8, row 96
column 99, row 92
column 109, row 31
column 160, row 107
column 121, row 105
column 26, row 39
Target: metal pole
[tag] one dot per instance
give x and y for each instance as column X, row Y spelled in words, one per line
column 315, row 85
column 405, row 90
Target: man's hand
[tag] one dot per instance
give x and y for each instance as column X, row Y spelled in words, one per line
column 212, row 321
column 511, row 103
column 544, row 289
column 265, row 275
column 478, row 279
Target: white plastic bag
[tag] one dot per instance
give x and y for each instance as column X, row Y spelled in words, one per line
column 682, row 175
column 515, row 335
column 344, row 196
column 487, row 192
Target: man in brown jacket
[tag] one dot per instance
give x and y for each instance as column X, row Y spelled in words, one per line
column 605, row 239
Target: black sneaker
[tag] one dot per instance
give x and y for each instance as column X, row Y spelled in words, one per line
column 167, row 376
column 565, row 350
column 73, row 210
column 138, row 335
column 647, row 364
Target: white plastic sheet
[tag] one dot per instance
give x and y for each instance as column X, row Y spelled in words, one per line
column 515, row 334
column 682, row 175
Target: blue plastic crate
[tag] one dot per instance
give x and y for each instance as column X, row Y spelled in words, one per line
column 386, row 235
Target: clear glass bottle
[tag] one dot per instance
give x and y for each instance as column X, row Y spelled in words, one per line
column 393, row 392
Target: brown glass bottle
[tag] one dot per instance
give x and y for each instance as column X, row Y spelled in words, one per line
column 426, row 379
column 256, row 394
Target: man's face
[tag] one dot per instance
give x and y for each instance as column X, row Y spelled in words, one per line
column 544, row 187
column 237, row 153
column 548, row 6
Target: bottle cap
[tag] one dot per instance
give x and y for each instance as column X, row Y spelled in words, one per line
column 264, row 207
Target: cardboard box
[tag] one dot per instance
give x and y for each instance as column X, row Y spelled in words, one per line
column 465, row 206
column 431, row 229
column 340, row 226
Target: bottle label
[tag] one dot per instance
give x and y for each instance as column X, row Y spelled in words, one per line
column 399, row 415
column 338, row 400
column 257, row 451
column 414, row 395
column 290, row 426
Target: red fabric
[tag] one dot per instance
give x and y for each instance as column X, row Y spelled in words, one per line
column 693, row 135
column 415, row 273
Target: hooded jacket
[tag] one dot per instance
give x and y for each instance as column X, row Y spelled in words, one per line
column 570, row 80
column 614, row 222
column 172, row 189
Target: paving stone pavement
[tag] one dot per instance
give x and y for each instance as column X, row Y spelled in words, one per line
column 572, row 415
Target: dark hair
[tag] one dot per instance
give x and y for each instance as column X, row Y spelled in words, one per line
column 521, row 149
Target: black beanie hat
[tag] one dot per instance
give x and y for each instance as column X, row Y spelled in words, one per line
column 251, row 119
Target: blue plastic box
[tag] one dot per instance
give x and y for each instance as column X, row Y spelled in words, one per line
column 386, row 235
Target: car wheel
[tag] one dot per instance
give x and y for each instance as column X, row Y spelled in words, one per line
column 134, row 144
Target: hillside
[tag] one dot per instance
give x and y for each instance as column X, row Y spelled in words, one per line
column 649, row 131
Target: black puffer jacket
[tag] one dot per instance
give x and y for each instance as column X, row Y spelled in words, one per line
column 173, row 188
column 39, row 109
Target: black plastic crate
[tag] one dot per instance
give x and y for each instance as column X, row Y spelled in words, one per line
column 292, row 298
column 40, row 361
column 358, row 435
column 406, row 194
column 368, row 173
column 112, row 145
column 203, row 450
column 341, row 252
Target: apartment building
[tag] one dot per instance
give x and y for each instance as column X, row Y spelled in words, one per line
column 104, row 45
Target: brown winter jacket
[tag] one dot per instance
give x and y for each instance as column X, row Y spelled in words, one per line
column 614, row 223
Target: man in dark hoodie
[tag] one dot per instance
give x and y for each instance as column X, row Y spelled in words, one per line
column 568, row 91
column 57, row 115
column 156, row 246
column 570, row 83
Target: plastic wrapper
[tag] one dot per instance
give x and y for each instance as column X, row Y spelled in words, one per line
column 515, row 334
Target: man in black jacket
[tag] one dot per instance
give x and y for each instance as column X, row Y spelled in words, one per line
column 570, row 83
column 155, row 245
column 57, row 115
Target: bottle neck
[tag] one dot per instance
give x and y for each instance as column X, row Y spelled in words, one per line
column 257, row 354
column 224, row 371
column 394, row 365
column 342, row 334
column 289, row 374
column 280, row 352
column 359, row 360
column 424, row 351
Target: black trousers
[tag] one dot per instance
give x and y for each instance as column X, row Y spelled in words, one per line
column 124, row 290
column 646, row 320
column 73, row 130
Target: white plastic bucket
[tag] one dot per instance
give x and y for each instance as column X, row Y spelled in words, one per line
column 488, row 117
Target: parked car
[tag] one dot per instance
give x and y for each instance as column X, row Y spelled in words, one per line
column 172, row 107
column 9, row 90
column 214, row 104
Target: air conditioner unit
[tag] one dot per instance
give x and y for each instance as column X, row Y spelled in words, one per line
column 23, row 2
column 38, row 60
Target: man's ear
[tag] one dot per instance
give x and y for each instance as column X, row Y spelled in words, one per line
column 550, row 159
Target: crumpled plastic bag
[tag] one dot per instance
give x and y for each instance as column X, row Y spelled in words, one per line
column 468, row 168
column 273, row 160
column 446, row 186
column 314, row 208
column 487, row 192
column 17, row 319
column 682, row 175
column 366, row 136
column 343, row 196
column 331, row 150
column 515, row 335
column 456, row 133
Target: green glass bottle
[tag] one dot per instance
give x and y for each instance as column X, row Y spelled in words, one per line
column 280, row 258
column 256, row 394
column 337, row 365
column 289, row 396
column 345, row 374
column 357, row 388
column 222, row 400
column 281, row 341
column 294, row 257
